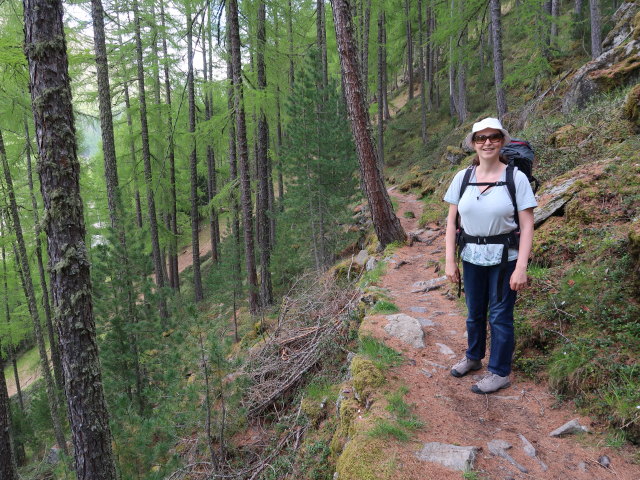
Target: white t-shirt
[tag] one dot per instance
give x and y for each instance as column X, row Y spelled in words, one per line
column 487, row 214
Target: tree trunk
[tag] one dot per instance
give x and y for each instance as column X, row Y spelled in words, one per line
column 462, row 71
column 48, row 316
column 8, row 464
column 173, row 210
column 11, row 348
column 243, row 156
column 385, row 222
column 193, row 164
column 321, row 40
column 555, row 14
column 578, row 8
column 496, row 34
column 290, row 33
column 366, row 27
column 421, row 74
column 278, row 145
column 381, row 90
column 70, row 276
column 27, row 283
column 407, row 12
column 148, row 176
column 262, row 161
column 596, row 29
column 431, row 54
column 211, row 161
column 385, row 71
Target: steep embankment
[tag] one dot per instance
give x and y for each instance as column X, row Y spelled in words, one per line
column 429, row 330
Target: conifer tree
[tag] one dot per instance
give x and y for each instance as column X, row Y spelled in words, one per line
column 45, row 47
column 496, row 41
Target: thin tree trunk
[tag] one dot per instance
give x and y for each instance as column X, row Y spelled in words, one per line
column 409, row 33
column 385, row 222
column 578, row 7
column 173, row 210
column 381, row 89
column 290, row 33
column 8, row 469
column 193, row 164
column 555, row 14
column 262, row 161
column 462, row 71
column 211, row 161
column 321, row 40
column 596, row 29
column 421, row 73
column 148, row 176
column 431, row 53
column 453, row 100
column 385, row 83
column 48, row 316
column 366, row 27
column 7, row 311
column 278, row 144
column 496, row 34
column 243, row 157
column 27, row 283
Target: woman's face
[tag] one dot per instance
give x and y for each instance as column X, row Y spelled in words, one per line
column 487, row 143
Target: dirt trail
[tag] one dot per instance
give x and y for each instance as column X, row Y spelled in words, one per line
column 452, row 414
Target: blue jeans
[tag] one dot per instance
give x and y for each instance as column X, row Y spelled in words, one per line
column 481, row 289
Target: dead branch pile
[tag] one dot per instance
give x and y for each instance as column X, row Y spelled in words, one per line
column 312, row 317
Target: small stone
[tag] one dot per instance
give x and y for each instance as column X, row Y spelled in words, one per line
column 437, row 365
column 361, row 258
column 582, row 466
column 53, row 457
column 426, row 373
column 499, row 448
column 427, row 286
column 401, row 263
column 445, row 350
column 604, row 461
column 530, row 451
column 418, row 309
column 425, row 322
column 371, row 264
column 453, row 457
column 569, row 428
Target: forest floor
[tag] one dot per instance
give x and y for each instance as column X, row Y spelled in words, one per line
column 454, row 415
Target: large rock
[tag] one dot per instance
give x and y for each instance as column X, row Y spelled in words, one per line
column 406, row 329
column 361, row 258
column 569, row 428
column 619, row 64
column 450, row 456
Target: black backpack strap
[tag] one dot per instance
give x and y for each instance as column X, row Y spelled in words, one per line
column 511, row 187
column 465, row 180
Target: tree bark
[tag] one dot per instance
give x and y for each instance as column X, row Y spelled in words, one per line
column 421, row 74
column 385, row 71
column 173, row 210
column 386, row 224
column 8, row 464
column 243, row 156
column 321, row 40
column 596, row 29
column 496, row 37
column 262, row 160
column 462, row 71
column 555, row 14
column 193, row 164
column 48, row 316
column 290, row 33
column 27, row 284
column 148, row 176
column 366, row 27
column 381, row 90
column 407, row 13
column 59, row 169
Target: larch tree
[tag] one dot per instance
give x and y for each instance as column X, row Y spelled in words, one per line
column 409, row 43
column 498, row 71
column 385, row 222
column 596, row 28
column 27, row 284
column 423, row 79
column 193, row 163
column 7, row 465
column 59, row 169
column 381, row 88
column 243, row 155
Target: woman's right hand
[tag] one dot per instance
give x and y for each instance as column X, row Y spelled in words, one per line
column 452, row 272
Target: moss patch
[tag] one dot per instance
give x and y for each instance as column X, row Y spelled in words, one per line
column 366, row 376
column 365, row 458
column 631, row 107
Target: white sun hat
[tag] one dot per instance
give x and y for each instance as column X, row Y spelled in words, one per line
column 488, row 122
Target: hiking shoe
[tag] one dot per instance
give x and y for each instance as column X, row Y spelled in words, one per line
column 464, row 366
column 491, row 383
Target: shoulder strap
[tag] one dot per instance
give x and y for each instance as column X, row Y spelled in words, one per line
column 511, row 187
column 465, row 180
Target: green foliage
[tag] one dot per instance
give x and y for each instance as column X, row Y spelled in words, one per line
column 403, row 421
column 383, row 306
column 319, row 163
column 380, row 354
column 373, row 276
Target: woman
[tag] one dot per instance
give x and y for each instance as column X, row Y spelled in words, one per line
column 488, row 228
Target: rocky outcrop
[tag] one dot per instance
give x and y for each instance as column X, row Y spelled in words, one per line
column 619, row 64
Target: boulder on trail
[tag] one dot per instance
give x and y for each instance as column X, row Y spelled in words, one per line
column 453, row 457
column 406, row 329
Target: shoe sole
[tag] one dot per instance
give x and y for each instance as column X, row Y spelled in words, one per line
column 477, row 390
column 457, row 374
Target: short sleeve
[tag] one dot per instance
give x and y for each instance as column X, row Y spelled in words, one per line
column 453, row 192
column 524, row 193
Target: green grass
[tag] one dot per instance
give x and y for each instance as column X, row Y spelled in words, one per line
column 403, row 421
column 382, row 306
column 387, row 429
column 382, row 356
column 372, row 277
column 28, row 363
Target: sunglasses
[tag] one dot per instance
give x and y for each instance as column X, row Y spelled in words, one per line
column 493, row 138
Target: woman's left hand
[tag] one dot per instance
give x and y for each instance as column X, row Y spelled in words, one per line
column 519, row 279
